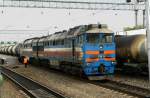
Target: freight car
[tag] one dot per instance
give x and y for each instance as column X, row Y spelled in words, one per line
column 131, row 53
column 9, row 50
column 13, row 50
column 85, row 49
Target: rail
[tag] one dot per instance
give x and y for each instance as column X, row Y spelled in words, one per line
column 125, row 88
column 31, row 87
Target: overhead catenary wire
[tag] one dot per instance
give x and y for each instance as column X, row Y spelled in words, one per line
column 72, row 4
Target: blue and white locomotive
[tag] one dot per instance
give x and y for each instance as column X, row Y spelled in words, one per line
column 85, row 49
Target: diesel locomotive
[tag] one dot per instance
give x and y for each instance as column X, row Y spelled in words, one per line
column 84, row 49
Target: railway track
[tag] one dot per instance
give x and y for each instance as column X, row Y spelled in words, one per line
column 114, row 85
column 31, row 87
column 117, row 85
column 125, row 88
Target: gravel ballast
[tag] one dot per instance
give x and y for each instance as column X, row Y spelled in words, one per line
column 9, row 90
column 69, row 86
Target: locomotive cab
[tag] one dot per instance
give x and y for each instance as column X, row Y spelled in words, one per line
column 99, row 54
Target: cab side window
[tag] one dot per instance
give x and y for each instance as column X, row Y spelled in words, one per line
column 80, row 40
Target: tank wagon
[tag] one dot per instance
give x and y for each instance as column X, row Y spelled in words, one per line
column 131, row 52
column 85, row 49
column 16, row 49
column 11, row 50
column 1, row 49
column 6, row 50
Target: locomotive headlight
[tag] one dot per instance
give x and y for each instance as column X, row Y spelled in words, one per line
column 88, row 64
column 101, row 56
column 101, row 47
column 114, row 63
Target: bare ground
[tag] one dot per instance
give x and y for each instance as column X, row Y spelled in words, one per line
column 9, row 90
column 133, row 80
column 69, row 86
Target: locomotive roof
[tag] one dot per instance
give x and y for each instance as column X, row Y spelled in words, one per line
column 35, row 40
column 92, row 28
column 72, row 32
column 97, row 30
column 27, row 41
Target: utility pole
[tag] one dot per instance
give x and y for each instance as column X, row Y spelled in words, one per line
column 144, row 18
column 148, row 32
column 136, row 17
column 136, row 13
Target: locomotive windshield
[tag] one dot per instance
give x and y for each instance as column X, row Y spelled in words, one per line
column 92, row 38
column 107, row 38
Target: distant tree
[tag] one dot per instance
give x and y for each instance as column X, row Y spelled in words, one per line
column 9, row 42
column 15, row 42
column 134, row 28
column 2, row 42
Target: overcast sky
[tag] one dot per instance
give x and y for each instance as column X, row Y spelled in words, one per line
column 51, row 20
